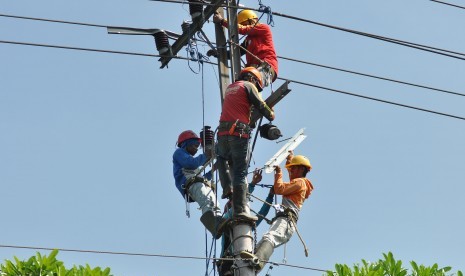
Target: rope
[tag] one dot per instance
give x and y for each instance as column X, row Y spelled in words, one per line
column 292, row 220
column 267, row 10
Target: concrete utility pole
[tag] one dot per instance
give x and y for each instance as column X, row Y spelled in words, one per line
column 222, row 57
column 242, row 238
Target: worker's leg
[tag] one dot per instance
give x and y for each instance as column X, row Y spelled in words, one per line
column 205, row 197
column 280, row 232
column 239, row 150
column 211, row 213
column 223, row 153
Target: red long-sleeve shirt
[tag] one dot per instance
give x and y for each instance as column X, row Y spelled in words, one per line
column 259, row 42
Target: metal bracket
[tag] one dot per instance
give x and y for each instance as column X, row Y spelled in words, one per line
column 284, row 151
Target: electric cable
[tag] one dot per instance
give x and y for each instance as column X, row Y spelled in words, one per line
column 177, row 57
column 374, row 36
column 53, row 20
column 143, row 255
column 281, row 57
column 372, row 76
column 422, row 47
column 94, row 50
column 374, row 99
column 449, row 4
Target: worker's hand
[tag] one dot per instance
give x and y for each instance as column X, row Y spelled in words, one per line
column 257, row 176
column 272, row 116
column 277, row 169
column 290, row 156
column 217, row 18
column 212, row 52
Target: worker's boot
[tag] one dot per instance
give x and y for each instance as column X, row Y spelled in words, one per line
column 214, row 224
column 240, row 207
column 262, row 255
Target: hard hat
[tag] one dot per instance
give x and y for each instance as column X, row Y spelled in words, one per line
column 186, row 135
column 245, row 15
column 299, row 160
column 255, row 73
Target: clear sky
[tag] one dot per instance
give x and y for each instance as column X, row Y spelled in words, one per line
column 86, row 138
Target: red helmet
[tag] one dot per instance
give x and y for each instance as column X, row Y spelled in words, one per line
column 186, row 135
column 254, row 72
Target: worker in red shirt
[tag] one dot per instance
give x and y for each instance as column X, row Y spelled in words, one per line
column 233, row 137
column 260, row 52
column 294, row 194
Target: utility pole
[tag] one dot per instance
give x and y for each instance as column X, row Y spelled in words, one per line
column 242, row 238
column 222, row 57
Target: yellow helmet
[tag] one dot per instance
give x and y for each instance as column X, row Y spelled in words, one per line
column 300, row 160
column 245, row 15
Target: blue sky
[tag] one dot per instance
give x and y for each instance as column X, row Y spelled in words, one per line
column 87, row 138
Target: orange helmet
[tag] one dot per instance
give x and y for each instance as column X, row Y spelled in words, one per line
column 186, row 135
column 255, row 73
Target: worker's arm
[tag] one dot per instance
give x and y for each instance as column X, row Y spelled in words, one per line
column 187, row 161
column 253, row 30
column 286, row 188
column 266, row 206
column 257, row 102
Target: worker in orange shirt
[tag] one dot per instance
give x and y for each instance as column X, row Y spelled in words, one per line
column 259, row 47
column 294, row 194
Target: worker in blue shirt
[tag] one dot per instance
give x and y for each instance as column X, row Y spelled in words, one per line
column 194, row 187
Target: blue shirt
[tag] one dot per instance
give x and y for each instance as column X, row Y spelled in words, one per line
column 183, row 160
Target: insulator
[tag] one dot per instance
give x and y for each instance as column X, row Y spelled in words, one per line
column 270, row 132
column 161, row 41
column 185, row 26
column 208, row 136
column 195, row 8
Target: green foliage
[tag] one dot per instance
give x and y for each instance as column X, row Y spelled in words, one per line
column 47, row 266
column 390, row 267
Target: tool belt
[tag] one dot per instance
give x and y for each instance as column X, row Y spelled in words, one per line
column 288, row 213
column 241, row 129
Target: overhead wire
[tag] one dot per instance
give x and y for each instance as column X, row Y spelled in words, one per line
column 422, row 47
column 143, row 255
column 295, row 81
column 372, row 76
column 201, row 58
column 449, row 4
column 95, row 50
column 373, row 99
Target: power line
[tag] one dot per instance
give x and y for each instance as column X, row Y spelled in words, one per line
column 439, row 51
column 449, row 4
column 95, row 50
column 373, row 76
column 52, row 20
column 286, row 58
column 146, row 255
column 295, row 81
column 374, row 99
